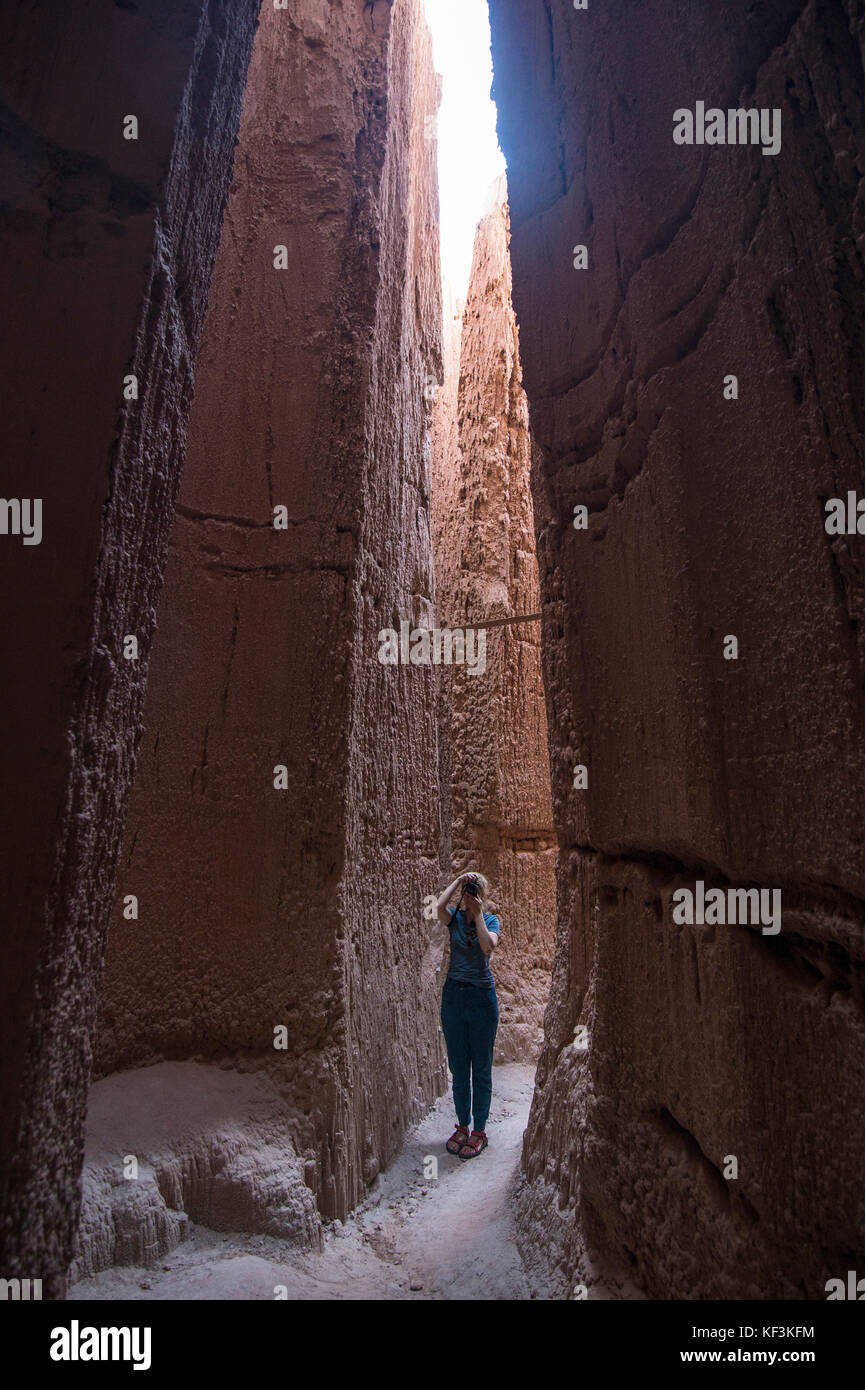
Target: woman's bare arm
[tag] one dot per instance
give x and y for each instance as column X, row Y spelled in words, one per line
column 487, row 940
column 441, row 905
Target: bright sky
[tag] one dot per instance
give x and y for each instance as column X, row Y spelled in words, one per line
column 469, row 155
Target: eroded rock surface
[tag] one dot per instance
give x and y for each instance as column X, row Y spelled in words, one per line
column 501, row 814
column 108, row 247
column 298, row 908
column 180, row 1142
column 705, row 520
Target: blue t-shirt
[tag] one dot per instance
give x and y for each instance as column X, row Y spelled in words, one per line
column 468, row 962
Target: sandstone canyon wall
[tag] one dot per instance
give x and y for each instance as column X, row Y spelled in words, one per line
column 498, row 767
column 705, row 520
column 108, row 246
column 297, row 905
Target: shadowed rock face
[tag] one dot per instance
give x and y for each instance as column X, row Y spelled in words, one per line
column 486, row 569
column 705, row 520
column 299, row 907
column 108, row 247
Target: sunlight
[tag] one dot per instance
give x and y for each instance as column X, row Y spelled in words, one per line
column 469, row 157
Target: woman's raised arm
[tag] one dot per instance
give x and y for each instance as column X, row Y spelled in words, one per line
column 441, row 905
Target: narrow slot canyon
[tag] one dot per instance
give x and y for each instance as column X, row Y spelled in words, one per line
column 354, row 577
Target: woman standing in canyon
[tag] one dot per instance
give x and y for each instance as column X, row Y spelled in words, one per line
column 470, row 1010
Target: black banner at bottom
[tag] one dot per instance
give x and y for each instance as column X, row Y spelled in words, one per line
column 253, row 1338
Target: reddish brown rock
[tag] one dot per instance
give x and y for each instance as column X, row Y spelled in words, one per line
column 108, row 246
column 501, row 815
column 705, row 520
column 301, row 908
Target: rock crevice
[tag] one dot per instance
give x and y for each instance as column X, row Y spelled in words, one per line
column 486, row 575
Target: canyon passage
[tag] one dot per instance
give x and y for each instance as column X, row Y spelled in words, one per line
column 611, row 473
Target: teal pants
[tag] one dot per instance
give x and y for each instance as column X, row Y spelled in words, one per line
column 470, row 1017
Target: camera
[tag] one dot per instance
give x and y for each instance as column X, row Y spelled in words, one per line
column 472, row 886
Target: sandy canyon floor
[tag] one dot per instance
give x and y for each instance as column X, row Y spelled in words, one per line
column 449, row 1237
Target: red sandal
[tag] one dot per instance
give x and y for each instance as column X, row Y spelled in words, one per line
column 474, row 1145
column 457, row 1139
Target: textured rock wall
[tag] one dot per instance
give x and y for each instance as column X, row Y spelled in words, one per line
column 179, row 1142
column 705, row 519
column 108, row 247
column 445, row 440
column 300, row 908
column 501, row 814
